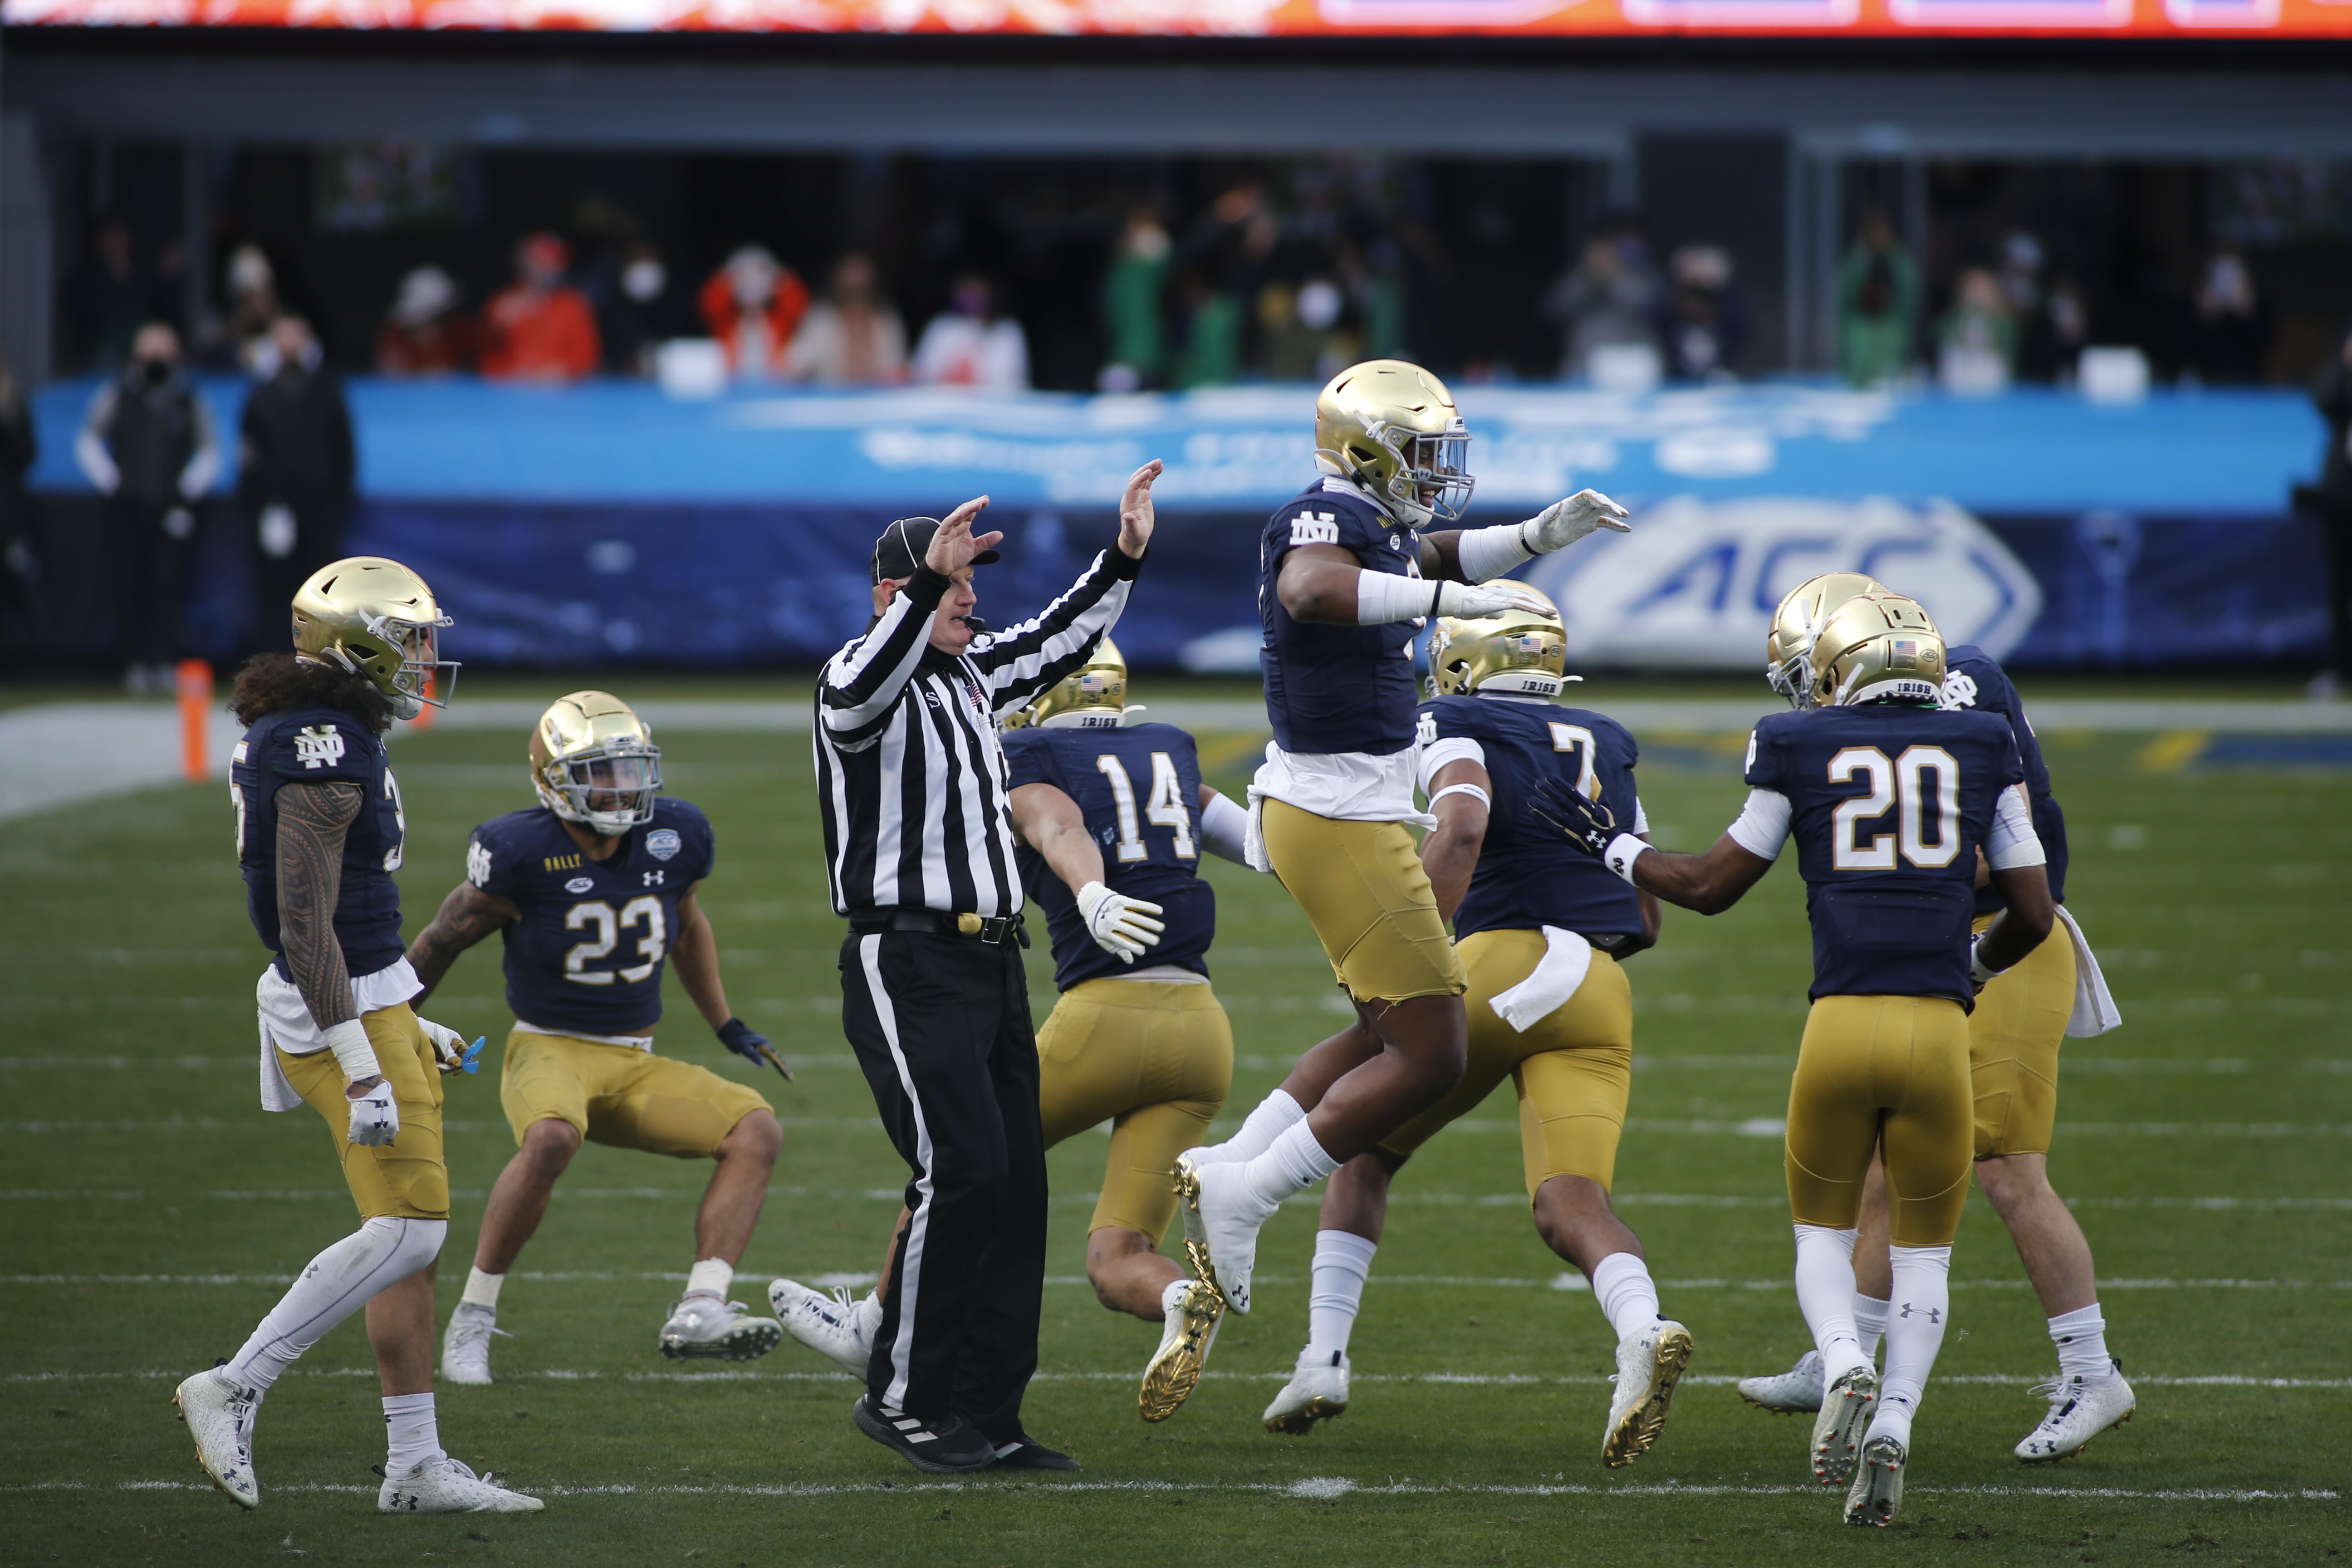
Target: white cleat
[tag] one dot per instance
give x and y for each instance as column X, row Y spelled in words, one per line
column 1318, row 1391
column 833, row 1325
column 1789, row 1392
column 703, row 1327
column 465, row 1343
column 445, row 1486
column 219, row 1414
column 1877, row 1489
column 1649, row 1364
column 1221, row 1219
column 2079, row 1411
column 1847, row 1405
column 1174, row 1370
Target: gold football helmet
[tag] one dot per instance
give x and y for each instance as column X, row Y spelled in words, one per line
column 370, row 616
column 1092, row 696
column 1876, row 647
column 1524, row 651
column 593, row 761
column 1803, row 611
column 1393, row 428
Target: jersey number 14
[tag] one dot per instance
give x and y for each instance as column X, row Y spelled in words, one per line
column 1166, row 808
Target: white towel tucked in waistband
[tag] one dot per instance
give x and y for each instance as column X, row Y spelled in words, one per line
column 2094, row 1010
column 1567, row 959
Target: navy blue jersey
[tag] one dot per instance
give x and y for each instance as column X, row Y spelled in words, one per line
column 322, row 745
column 587, row 954
column 1337, row 689
column 1888, row 805
column 1138, row 790
column 1527, row 876
column 1972, row 680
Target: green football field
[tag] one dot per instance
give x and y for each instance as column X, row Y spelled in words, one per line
column 153, row 1212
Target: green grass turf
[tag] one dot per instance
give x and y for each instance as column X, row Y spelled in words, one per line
column 148, row 1204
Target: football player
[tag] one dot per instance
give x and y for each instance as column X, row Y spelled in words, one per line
column 2013, row 1039
column 1345, row 579
column 593, row 888
column 318, row 835
column 1119, row 814
column 1889, row 797
column 1541, row 931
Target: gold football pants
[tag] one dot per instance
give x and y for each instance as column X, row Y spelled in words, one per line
column 621, row 1096
column 1572, row 1071
column 406, row 1178
column 1873, row 1070
column 1362, row 887
column 2013, row 1039
column 1154, row 1058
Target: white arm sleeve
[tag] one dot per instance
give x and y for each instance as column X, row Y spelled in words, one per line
column 1383, row 598
column 1436, row 756
column 1641, row 818
column 2012, row 843
column 1223, row 826
column 1487, row 553
column 1763, row 825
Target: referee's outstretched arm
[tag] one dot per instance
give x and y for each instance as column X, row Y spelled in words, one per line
column 1023, row 660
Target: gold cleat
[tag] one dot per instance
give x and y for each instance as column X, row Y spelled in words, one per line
column 1318, row 1391
column 1175, row 1368
column 1649, row 1365
column 1196, row 1235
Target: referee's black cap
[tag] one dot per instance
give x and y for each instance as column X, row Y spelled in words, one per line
column 904, row 543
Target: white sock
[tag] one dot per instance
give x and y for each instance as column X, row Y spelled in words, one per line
column 2081, row 1337
column 1825, row 1295
column 414, row 1434
column 711, row 1276
column 1343, row 1261
column 1920, row 1310
column 1171, row 1296
column 1626, row 1295
column 1869, row 1322
column 870, row 1312
column 340, row 1281
column 482, row 1289
column 1276, row 1114
column 1291, row 1163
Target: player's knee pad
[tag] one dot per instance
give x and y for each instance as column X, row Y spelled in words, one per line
column 406, row 1245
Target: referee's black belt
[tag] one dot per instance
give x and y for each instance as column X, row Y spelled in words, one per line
column 995, row 929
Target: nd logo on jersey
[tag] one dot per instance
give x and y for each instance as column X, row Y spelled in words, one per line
column 321, row 746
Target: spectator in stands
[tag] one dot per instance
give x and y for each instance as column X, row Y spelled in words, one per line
column 640, row 311
column 295, row 471
column 2229, row 332
column 252, row 308
column 972, row 343
column 1211, row 353
column 111, row 297
column 541, row 328
column 424, row 333
column 1702, row 324
column 1132, row 289
column 1877, row 305
column 1610, row 297
column 853, row 336
column 1978, row 337
column 20, row 562
column 2331, row 500
column 147, row 446
column 753, row 305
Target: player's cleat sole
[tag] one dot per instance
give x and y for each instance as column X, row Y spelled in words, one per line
column 220, row 1418
column 2078, row 1413
column 1796, row 1392
column 1031, row 1455
column 465, row 1344
column 1314, row 1393
column 1649, row 1365
column 1877, row 1490
column 949, row 1447
column 1847, row 1404
column 832, row 1326
column 703, row 1329
column 1174, row 1371
column 445, row 1486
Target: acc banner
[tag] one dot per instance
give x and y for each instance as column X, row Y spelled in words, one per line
column 1694, row 586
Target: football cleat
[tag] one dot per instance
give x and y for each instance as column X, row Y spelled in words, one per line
column 219, row 1414
column 1174, row 1370
column 1877, row 1489
column 1847, row 1405
column 2079, row 1411
column 1649, row 1364
column 445, row 1486
column 831, row 1325
column 1318, row 1391
column 465, row 1344
column 1786, row 1393
column 703, row 1327
column 1221, row 1219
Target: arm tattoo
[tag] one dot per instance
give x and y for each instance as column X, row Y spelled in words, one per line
column 467, row 916
column 312, row 822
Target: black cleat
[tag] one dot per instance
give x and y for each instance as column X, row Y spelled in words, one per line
column 952, row 1446
column 1025, row 1453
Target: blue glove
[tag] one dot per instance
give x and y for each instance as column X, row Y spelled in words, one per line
column 746, row 1042
column 1585, row 822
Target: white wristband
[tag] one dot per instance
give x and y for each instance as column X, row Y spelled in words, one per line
column 1621, row 852
column 1470, row 789
column 1383, row 598
column 353, row 1051
column 1977, row 970
column 1487, row 553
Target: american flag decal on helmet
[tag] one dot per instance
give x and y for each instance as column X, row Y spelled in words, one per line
column 1902, row 653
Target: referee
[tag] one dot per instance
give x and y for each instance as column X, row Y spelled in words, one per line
column 920, row 849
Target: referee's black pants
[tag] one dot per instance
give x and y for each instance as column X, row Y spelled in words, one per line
column 941, row 1026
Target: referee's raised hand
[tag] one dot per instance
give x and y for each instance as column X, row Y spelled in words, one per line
column 954, row 545
column 1135, row 516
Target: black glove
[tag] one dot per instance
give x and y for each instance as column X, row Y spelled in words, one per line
column 745, row 1041
column 1586, row 823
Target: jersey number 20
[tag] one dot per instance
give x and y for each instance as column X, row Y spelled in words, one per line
column 1165, row 809
column 596, row 912
column 1899, row 781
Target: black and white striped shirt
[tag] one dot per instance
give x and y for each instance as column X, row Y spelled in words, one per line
column 907, row 765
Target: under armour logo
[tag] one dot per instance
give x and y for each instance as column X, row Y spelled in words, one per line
column 1935, row 1315
column 321, row 747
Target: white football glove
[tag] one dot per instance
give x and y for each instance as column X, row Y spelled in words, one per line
column 449, row 1053
column 375, row 1119
column 1484, row 601
column 1121, row 926
column 1564, row 522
